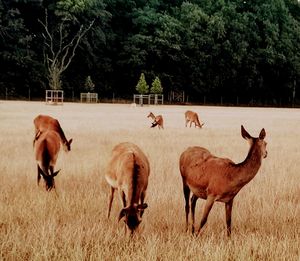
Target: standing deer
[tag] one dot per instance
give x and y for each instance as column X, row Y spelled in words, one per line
column 192, row 117
column 218, row 179
column 43, row 123
column 47, row 147
column 157, row 120
column 128, row 172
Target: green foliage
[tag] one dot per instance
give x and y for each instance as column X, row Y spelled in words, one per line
column 142, row 87
column 248, row 49
column 156, row 87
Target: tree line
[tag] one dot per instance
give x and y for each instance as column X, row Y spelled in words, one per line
column 245, row 50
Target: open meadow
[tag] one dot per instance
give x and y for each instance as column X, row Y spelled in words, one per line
column 37, row 225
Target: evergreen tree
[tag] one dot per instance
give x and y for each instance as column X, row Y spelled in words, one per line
column 142, row 87
column 156, row 86
column 89, row 85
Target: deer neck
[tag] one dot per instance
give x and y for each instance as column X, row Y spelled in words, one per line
column 247, row 169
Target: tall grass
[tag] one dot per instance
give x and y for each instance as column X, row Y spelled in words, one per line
column 36, row 225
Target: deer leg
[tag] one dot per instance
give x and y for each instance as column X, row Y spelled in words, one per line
column 186, row 191
column 191, row 124
column 193, row 206
column 123, row 199
column 38, row 174
column 186, row 122
column 208, row 205
column 228, row 209
column 51, row 170
column 111, row 197
column 142, row 202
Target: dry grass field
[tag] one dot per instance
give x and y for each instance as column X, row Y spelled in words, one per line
column 37, row 225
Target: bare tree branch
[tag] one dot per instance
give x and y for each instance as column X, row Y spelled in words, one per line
column 61, row 56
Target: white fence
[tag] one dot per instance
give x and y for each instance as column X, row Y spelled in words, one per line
column 89, row 97
column 54, row 97
column 149, row 99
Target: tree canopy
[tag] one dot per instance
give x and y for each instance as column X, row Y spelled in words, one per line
column 212, row 49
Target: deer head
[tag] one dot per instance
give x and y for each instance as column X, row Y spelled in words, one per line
column 132, row 216
column 258, row 142
column 67, row 145
column 150, row 115
column 49, row 180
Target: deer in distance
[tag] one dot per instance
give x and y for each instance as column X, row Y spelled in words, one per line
column 157, row 120
column 128, row 172
column 47, row 147
column 43, row 123
column 192, row 117
column 218, row 179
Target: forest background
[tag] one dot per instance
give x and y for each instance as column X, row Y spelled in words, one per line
column 244, row 52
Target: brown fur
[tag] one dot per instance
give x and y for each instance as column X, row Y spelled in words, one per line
column 218, row 179
column 47, row 147
column 192, row 117
column 128, row 172
column 43, row 123
column 157, row 120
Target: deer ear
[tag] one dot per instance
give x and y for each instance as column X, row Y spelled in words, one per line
column 70, row 141
column 55, row 173
column 245, row 134
column 262, row 134
column 142, row 206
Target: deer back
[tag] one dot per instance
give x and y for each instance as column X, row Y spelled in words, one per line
column 128, row 170
column 43, row 123
column 47, row 148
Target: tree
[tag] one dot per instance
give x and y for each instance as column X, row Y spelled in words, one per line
column 89, row 85
column 60, row 50
column 156, row 86
column 142, row 87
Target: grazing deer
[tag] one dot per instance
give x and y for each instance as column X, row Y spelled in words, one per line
column 192, row 117
column 43, row 123
column 218, row 179
column 157, row 120
column 47, row 147
column 128, row 172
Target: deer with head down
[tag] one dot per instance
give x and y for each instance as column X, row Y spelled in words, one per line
column 47, row 147
column 128, row 171
column 192, row 117
column 43, row 123
column 218, row 179
column 157, row 120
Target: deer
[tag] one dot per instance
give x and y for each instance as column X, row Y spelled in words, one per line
column 47, row 147
column 192, row 117
column 157, row 120
column 43, row 123
column 218, row 179
column 128, row 171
